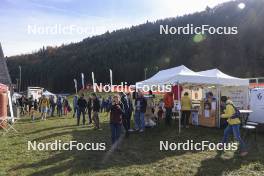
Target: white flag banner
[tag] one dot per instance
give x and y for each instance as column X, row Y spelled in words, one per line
column 75, row 85
column 82, row 75
column 111, row 77
column 93, row 81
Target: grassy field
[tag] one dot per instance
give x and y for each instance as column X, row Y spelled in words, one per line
column 139, row 154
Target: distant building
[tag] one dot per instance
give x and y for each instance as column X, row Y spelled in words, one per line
column 4, row 73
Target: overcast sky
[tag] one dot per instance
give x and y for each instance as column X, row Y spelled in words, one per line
column 20, row 18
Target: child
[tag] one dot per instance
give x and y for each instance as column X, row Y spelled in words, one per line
column 34, row 110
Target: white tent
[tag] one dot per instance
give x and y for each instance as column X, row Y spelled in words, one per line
column 47, row 93
column 15, row 96
column 183, row 75
column 174, row 75
column 177, row 75
column 223, row 79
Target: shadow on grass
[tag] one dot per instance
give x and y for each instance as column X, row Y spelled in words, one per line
column 51, row 128
column 219, row 165
column 138, row 149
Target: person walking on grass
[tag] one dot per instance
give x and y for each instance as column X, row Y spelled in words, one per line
column 131, row 109
column 30, row 103
column 52, row 105
column 34, row 110
column 44, row 104
column 96, row 110
column 186, row 105
column 82, row 105
column 89, row 109
column 116, row 113
column 65, row 106
column 59, row 106
column 75, row 106
column 168, row 105
column 232, row 115
column 126, row 110
column 140, row 109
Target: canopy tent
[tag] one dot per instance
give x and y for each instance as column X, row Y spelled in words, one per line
column 223, row 79
column 183, row 75
column 47, row 93
column 180, row 74
column 177, row 75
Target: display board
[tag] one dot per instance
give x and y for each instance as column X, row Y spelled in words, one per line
column 257, row 105
column 239, row 96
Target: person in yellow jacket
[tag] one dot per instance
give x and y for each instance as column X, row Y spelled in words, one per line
column 44, row 105
column 233, row 126
column 186, row 105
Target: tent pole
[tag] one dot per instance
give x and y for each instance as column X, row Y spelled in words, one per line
column 219, row 106
column 10, row 106
column 248, row 99
column 179, row 107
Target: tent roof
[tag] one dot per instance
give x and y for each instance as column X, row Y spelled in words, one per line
column 47, row 93
column 180, row 74
column 4, row 74
column 3, row 87
column 224, row 79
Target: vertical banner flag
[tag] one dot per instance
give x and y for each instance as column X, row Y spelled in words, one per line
column 82, row 75
column 111, row 77
column 75, row 85
column 93, row 81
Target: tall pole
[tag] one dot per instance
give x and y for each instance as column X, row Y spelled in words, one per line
column 20, row 78
column 145, row 71
column 94, row 88
column 17, row 84
column 82, row 76
column 179, row 106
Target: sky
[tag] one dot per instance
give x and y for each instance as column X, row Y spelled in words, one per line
column 27, row 25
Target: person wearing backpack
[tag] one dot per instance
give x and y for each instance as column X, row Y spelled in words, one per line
column 231, row 113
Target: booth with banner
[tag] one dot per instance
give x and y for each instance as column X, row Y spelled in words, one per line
column 3, row 104
column 199, row 85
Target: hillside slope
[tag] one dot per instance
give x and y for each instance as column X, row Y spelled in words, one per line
column 128, row 51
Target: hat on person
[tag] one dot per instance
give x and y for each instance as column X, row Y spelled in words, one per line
column 229, row 102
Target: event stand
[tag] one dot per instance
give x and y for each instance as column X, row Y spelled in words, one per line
column 182, row 76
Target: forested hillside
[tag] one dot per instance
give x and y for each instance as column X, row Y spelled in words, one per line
column 129, row 51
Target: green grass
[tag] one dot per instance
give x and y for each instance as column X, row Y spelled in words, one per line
column 139, row 154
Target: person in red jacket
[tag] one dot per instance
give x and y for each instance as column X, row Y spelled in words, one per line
column 168, row 105
column 116, row 112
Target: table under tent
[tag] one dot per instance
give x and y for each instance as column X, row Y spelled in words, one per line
column 202, row 82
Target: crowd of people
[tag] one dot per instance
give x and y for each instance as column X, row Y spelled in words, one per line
column 120, row 108
column 45, row 105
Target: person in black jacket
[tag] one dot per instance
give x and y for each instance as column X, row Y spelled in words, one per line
column 96, row 109
column 130, row 111
column 82, row 104
column 140, row 109
column 116, row 113
column 89, row 109
column 126, row 109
